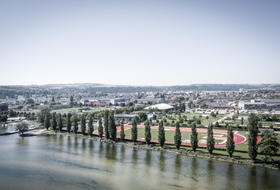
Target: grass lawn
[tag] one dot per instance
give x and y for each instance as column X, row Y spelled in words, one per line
column 203, row 119
column 169, row 135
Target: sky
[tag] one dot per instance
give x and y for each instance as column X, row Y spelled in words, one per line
column 140, row 42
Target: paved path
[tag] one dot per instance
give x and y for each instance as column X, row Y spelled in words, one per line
column 223, row 118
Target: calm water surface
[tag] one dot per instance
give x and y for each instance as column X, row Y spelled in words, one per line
column 62, row 162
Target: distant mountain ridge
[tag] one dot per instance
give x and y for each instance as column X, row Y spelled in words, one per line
column 93, row 88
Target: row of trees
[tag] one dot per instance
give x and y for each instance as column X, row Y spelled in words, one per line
column 110, row 132
column 57, row 122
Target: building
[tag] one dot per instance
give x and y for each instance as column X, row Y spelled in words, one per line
column 161, row 107
column 265, row 104
column 126, row 117
column 115, row 101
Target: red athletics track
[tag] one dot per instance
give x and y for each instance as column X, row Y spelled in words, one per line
column 238, row 139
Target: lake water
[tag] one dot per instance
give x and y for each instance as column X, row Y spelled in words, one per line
column 11, row 127
column 63, row 162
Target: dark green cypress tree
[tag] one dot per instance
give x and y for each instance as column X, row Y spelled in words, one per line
column 177, row 136
column 230, row 141
column 68, row 123
column 134, row 130
column 112, row 126
column 161, row 134
column 100, row 128
column 90, row 126
column 83, row 124
column 253, row 131
column 75, row 124
column 54, row 123
column 194, row 138
column 106, row 124
column 122, row 135
column 148, row 136
column 60, row 122
column 47, row 121
column 210, row 139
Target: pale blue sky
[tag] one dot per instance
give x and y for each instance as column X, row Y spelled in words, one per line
column 153, row 42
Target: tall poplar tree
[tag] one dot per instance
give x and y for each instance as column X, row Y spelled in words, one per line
column 177, row 136
column 112, row 126
column 60, row 122
column 134, row 130
column 210, row 139
column 122, row 135
column 47, row 121
column 161, row 134
column 100, row 128
column 83, row 125
column 106, row 124
column 230, row 141
column 75, row 124
column 253, row 131
column 194, row 138
column 148, row 136
column 90, row 126
column 68, row 123
column 54, row 123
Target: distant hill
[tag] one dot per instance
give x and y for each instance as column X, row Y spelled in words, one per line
column 92, row 88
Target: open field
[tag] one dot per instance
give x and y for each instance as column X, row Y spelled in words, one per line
column 171, row 119
column 219, row 135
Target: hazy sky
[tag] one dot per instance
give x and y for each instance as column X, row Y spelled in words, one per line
column 152, row 42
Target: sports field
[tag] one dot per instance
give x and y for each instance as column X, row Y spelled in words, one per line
column 219, row 135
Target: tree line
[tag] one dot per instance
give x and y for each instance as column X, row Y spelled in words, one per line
column 268, row 146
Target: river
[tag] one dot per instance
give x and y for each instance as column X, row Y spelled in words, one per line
column 64, row 162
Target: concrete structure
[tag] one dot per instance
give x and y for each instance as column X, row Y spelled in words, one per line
column 265, row 104
column 161, row 107
column 15, row 119
column 119, row 100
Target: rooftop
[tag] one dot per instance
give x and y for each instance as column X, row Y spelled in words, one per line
column 160, row 106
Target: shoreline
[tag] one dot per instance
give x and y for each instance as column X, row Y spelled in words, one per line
column 182, row 151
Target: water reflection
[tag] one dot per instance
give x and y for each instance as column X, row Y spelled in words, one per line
column 252, row 178
column 84, row 147
column 22, row 141
column 60, row 140
column 161, row 162
column 122, row 153
column 148, row 157
column 76, row 143
column 148, row 160
column 194, row 173
column 178, row 166
column 100, row 150
column 230, row 176
column 84, row 144
column 267, row 181
column 210, row 173
column 54, row 138
column 117, row 167
column 91, row 147
column 110, row 151
column 69, row 144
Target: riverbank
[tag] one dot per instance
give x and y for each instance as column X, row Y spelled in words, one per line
column 171, row 149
